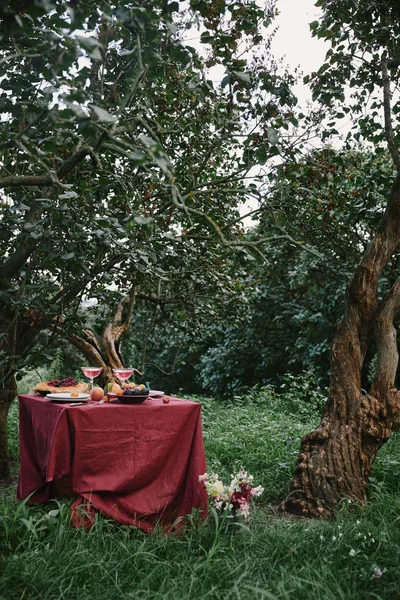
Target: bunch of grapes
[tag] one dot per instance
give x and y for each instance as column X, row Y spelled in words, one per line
column 60, row 383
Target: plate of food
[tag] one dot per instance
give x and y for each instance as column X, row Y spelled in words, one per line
column 55, row 386
column 68, row 397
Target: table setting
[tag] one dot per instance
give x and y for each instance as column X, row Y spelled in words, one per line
column 135, row 454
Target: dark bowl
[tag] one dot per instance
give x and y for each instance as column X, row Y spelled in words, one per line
column 132, row 399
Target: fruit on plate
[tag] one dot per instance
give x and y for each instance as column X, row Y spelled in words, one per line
column 113, row 387
column 97, row 394
column 139, row 390
column 129, row 386
column 69, row 384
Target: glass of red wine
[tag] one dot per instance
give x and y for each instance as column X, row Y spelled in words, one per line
column 124, row 373
column 91, row 373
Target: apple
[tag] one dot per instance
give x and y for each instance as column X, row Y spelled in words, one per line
column 97, row 394
column 165, row 399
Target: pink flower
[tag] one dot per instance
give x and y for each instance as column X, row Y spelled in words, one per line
column 244, row 510
column 236, row 498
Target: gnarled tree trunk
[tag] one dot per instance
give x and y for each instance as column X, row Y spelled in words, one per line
column 335, row 459
column 103, row 352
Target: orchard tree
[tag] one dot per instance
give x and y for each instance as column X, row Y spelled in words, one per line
column 120, row 157
column 335, row 459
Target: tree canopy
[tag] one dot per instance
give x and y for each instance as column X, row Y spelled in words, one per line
column 124, row 163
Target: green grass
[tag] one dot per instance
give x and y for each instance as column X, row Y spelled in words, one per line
column 43, row 557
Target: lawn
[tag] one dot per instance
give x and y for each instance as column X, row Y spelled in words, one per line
column 355, row 556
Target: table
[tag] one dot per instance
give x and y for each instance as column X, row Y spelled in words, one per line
column 138, row 464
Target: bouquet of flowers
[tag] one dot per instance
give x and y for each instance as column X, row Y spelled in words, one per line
column 233, row 499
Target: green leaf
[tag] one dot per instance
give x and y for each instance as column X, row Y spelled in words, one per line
column 137, row 155
column 242, row 76
column 68, row 195
column 142, row 220
column 103, row 115
column 77, row 109
column 273, row 136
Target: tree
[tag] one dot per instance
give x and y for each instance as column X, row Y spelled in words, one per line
column 335, row 459
column 120, row 155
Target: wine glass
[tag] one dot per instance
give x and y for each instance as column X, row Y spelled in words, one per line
column 123, row 374
column 91, row 373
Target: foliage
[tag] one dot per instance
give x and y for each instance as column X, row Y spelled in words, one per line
column 283, row 314
column 361, row 35
column 122, row 163
column 13, row 432
column 41, row 555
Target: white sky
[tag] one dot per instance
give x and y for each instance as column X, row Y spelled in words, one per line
column 294, row 43
column 295, row 46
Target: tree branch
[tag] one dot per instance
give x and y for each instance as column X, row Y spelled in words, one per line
column 119, row 324
column 90, row 352
column 69, row 293
column 161, row 300
column 244, row 243
column 386, row 334
column 42, row 180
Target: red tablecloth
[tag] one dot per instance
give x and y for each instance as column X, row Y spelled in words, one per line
column 138, row 464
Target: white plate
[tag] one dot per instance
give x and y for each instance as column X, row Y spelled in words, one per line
column 67, row 397
column 156, row 394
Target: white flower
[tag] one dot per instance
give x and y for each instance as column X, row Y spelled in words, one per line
column 216, row 488
column 352, row 552
column 257, row 491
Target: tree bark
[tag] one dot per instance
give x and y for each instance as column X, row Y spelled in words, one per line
column 7, row 395
column 336, row 458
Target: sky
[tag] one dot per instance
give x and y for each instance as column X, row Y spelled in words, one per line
column 295, row 46
column 293, row 40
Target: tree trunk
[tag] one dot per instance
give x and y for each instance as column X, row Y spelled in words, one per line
column 336, row 458
column 102, row 352
column 7, row 395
